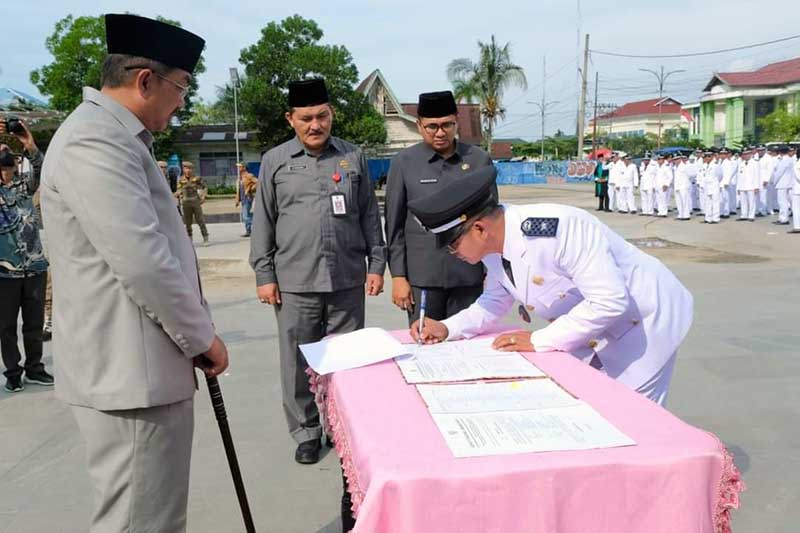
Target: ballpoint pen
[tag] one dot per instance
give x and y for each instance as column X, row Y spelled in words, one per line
column 421, row 314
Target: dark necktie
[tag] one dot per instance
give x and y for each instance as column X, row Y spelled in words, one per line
column 507, row 268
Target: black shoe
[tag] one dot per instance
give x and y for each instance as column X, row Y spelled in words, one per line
column 779, row 223
column 329, row 441
column 307, row 452
column 760, row 215
column 740, row 219
column 15, row 384
column 793, row 231
column 724, row 216
column 40, row 377
column 607, row 210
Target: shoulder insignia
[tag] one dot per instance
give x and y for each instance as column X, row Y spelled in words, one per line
column 539, row 227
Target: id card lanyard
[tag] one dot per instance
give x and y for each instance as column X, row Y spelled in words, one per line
column 338, row 203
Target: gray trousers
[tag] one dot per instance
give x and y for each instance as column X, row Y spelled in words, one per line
column 443, row 303
column 308, row 317
column 139, row 466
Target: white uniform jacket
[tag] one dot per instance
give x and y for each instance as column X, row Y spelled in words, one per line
column 728, row 172
column 664, row 176
column 630, row 177
column 796, row 184
column 682, row 179
column 784, row 172
column 766, row 165
column 648, row 182
column 748, row 176
column 602, row 294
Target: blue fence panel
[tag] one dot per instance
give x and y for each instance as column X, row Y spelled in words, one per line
column 552, row 172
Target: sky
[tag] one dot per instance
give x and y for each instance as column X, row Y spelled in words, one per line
column 412, row 41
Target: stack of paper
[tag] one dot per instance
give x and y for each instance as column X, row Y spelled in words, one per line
column 463, row 361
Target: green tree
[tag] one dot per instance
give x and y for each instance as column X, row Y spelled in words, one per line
column 78, row 47
column 780, row 126
column 485, row 81
column 292, row 50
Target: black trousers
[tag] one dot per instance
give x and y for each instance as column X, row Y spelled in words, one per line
column 442, row 303
column 602, row 197
column 26, row 294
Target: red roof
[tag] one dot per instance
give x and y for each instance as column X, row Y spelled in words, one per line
column 469, row 121
column 648, row 107
column 781, row 73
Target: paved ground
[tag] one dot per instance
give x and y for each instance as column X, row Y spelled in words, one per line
column 738, row 375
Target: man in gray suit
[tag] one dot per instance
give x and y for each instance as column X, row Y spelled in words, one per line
column 416, row 172
column 316, row 240
column 132, row 319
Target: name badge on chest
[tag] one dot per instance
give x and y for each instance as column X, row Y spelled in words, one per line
column 338, row 204
column 429, row 180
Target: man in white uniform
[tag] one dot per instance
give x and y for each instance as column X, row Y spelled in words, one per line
column 747, row 183
column 609, row 303
column 664, row 179
column 647, row 184
column 783, row 176
column 708, row 177
column 795, row 193
column 727, row 183
column 630, row 180
column 766, row 164
column 682, row 185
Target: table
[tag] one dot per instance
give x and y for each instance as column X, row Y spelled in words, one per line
column 402, row 477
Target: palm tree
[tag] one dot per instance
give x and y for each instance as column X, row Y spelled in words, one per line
column 485, row 81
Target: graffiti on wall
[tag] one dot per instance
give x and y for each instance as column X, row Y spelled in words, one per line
column 550, row 172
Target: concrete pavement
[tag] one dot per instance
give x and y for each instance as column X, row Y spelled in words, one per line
column 737, row 375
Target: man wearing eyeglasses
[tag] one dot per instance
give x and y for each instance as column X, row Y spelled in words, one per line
column 132, row 320
column 418, row 171
column 607, row 302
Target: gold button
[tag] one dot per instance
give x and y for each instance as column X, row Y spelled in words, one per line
column 551, row 320
column 593, row 343
column 538, row 280
column 635, row 321
column 562, row 295
column 530, row 307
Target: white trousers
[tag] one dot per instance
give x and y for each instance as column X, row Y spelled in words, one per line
column 701, row 199
column 772, row 198
column 796, row 211
column 647, row 199
column 612, row 197
column 682, row 203
column 626, row 200
column 784, row 200
column 725, row 201
column 761, row 200
column 712, row 205
column 748, row 209
column 657, row 387
column 662, row 200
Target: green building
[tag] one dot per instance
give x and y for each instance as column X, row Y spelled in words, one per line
column 732, row 103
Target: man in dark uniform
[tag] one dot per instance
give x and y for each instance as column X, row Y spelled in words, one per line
column 418, row 171
column 316, row 239
column 601, row 184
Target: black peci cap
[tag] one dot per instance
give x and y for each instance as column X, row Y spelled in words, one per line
column 435, row 105
column 139, row 36
column 307, row 93
column 444, row 212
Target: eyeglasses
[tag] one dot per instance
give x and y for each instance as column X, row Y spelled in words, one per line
column 433, row 128
column 452, row 248
column 184, row 89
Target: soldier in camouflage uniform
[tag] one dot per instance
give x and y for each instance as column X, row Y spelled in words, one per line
column 192, row 194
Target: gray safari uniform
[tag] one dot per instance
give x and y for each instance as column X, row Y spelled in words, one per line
column 318, row 260
column 191, row 192
column 130, row 314
column 416, row 172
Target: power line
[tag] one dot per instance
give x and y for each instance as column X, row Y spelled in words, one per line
column 694, row 54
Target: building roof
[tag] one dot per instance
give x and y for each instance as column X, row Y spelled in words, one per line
column 774, row 74
column 13, row 99
column 469, row 121
column 648, row 107
column 213, row 133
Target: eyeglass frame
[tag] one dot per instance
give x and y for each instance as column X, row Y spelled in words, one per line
column 184, row 89
column 446, row 127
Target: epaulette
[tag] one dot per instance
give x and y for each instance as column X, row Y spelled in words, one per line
column 539, row 227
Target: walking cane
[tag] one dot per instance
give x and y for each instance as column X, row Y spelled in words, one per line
column 222, row 420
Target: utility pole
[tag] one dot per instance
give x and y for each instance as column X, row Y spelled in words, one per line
column 235, row 82
column 661, row 76
column 594, row 121
column 582, row 107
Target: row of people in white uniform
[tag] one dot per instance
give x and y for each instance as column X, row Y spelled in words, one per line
column 715, row 183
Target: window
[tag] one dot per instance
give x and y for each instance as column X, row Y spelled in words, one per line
column 218, row 163
column 746, row 116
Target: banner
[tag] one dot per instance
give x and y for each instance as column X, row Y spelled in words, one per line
column 549, row 172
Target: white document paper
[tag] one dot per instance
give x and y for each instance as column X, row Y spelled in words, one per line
column 577, row 427
column 441, row 369
column 463, row 348
column 501, row 396
column 352, row 350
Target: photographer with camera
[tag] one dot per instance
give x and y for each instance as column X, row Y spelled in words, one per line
column 23, row 267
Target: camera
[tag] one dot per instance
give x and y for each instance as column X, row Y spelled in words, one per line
column 14, row 126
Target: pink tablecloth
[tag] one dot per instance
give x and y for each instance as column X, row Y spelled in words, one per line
column 403, row 477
